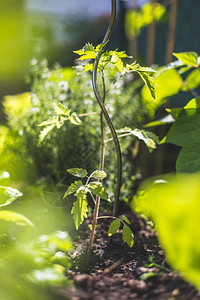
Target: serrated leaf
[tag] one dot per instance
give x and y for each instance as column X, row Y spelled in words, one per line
column 73, row 188
column 88, row 55
column 79, row 52
column 114, row 226
column 98, row 190
column 74, row 119
column 10, row 216
column 126, row 219
column 148, row 82
column 99, row 174
column 8, row 195
column 78, row 172
column 60, row 109
column 50, row 121
column 147, row 70
column 44, row 133
column 79, row 209
column 188, row 58
column 149, row 138
column 116, row 60
column 88, row 67
column 128, row 236
column 88, row 47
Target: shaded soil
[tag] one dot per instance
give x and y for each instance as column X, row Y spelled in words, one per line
column 115, row 271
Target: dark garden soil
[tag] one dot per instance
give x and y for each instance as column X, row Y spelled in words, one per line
column 114, row 270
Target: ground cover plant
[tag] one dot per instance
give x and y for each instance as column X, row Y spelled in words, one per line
column 58, row 131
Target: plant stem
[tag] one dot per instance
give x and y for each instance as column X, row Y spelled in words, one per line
column 105, row 113
column 119, row 136
column 97, row 202
column 88, row 114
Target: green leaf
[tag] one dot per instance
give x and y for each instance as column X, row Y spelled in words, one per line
column 88, row 55
column 193, row 79
column 149, row 83
column 128, row 236
column 10, row 216
column 98, row 190
column 99, row 174
column 60, row 109
column 48, row 122
column 174, row 208
column 116, row 60
column 146, row 70
column 51, row 276
column 148, row 137
column 188, row 58
column 188, row 160
column 124, row 218
column 8, row 195
column 61, row 240
column 73, row 188
column 80, row 209
column 167, row 83
column 185, row 129
column 165, row 120
column 114, row 226
column 194, row 103
column 74, row 119
column 78, row 172
column 174, row 112
column 44, row 133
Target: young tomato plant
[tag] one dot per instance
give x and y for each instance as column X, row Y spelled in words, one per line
column 101, row 61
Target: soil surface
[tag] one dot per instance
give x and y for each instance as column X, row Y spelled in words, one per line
column 116, row 271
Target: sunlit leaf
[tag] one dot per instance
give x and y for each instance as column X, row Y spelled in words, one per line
column 188, row 58
column 11, row 216
column 124, row 218
column 8, row 195
column 60, row 109
column 168, row 83
column 116, row 60
column 44, row 132
column 114, row 226
column 52, row 276
column 98, row 190
column 80, row 209
column 74, row 119
column 99, row 174
column 78, row 172
column 174, row 208
column 151, row 85
column 193, row 80
column 73, row 188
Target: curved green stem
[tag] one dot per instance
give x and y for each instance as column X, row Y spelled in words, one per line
column 104, row 111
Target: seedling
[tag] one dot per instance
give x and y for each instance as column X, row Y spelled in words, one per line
column 102, row 60
column 94, row 188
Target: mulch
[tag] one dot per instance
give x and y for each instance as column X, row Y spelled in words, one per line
column 116, row 271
